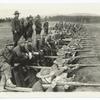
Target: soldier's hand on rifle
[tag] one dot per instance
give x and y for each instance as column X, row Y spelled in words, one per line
column 15, row 31
column 26, row 56
column 48, row 45
column 30, row 55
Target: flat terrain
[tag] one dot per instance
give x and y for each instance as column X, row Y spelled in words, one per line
column 88, row 74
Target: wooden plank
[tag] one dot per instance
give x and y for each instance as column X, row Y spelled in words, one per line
column 19, row 89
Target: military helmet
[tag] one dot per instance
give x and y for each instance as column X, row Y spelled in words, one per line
column 38, row 17
column 16, row 12
column 30, row 16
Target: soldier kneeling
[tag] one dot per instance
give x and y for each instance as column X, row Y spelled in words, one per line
column 5, row 68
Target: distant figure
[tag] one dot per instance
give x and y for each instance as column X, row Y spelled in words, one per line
column 56, row 26
column 16, row 28
column 38, row 28
column 22, row 26
column 28, row 28
column 38, row 24
column 46, row 26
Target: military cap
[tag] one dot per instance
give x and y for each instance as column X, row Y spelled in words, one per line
column 16, row 12
column 30, row 16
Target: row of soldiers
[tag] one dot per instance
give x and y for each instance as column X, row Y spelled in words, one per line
column 24, row 27
column 24, row 53
column 14, row 58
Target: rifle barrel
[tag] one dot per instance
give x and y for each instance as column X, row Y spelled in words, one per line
column 73, row 84
column 69, row 65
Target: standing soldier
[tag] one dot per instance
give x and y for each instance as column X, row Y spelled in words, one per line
column 45, row 33
column 28, row 28
column 46, row 26
column 38, row 28
column 16, row 28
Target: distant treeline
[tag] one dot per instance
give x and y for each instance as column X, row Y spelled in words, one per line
column 83, row 19
column 8, row 19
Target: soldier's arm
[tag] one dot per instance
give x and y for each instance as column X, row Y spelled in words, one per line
column 1, row 52
column 58, row 72
column 13, row 25
column 48, row 24
column 43, row 24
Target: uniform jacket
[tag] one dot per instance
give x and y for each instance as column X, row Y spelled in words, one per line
column 16, row 25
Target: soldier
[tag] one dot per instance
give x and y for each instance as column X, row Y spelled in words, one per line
column 22, row 26
column 38, row 28
column 46, row 26
column 38, row 25
column 28, row 28
column 5, row 68
column 60, row 27
column 50, row 76
column 45, row 33
column 20, row 58
column 56, row 26
column 21, row 54
column 16, row 28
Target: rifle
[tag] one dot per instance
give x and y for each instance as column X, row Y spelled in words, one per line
column 84, row 56
column 69, row 65
column 72, row 84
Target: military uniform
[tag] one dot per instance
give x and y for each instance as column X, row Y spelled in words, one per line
column 20, row 59
column 22, row 26
column 16, row 29
column 45, row 26
column 28, row 29
column 38, row 25
column 19, row 56
column 38, row 33
column 38, row 28
column 5, row 67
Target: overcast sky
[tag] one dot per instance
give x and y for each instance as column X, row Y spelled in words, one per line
column 7, row 10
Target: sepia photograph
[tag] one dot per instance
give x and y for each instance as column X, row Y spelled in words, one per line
column 49, row 47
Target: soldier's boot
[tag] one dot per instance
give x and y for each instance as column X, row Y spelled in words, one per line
column 7, row 73
column 50, row 89
column 37, row 87
column 2, row 83
column 10, row 84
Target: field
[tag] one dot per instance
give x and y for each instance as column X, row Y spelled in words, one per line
column 88, row 74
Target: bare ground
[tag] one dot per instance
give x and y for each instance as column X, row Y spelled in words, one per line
column 90, row 74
